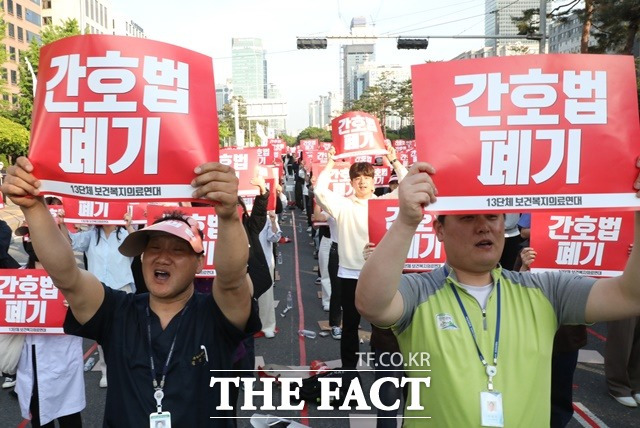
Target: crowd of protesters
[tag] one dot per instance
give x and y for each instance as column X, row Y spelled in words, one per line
column 242, row 304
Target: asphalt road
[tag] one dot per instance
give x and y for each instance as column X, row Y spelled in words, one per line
column 297, row 275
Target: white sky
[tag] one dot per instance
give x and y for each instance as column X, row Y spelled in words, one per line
column 207, row 26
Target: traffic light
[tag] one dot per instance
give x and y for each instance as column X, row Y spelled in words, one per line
column 312, row 43
column 412, row 43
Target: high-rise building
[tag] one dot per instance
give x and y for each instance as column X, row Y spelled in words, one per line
column 93, row 16
column 248, row 68
column 223, row 94
column 352, row 56
column 22, row 21
column 497, row 21
column 324, row 109
column 565, row 36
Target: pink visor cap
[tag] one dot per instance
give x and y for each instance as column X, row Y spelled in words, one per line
column 136, row 242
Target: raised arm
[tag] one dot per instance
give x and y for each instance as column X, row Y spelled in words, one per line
column 377, row 296
column 80, row 288
column 328, row 200
column 232, row 287
column 619, row 297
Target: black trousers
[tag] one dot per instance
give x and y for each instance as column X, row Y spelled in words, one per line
column 335, row 309
column 563, row 365
column 350, row 342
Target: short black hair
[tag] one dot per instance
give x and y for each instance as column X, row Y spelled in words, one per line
column 440, row 218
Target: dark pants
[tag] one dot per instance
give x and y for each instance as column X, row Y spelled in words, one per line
column 388, row 393
column 335, row 310
column 510, row 252
column 68, row 421
column 350, row 342
column 622, row 357
column 563, row 364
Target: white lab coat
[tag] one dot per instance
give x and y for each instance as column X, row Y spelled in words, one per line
column 60, row 375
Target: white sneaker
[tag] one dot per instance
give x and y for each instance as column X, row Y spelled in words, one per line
column 336, row 332
column 269, row 334
column 637, row 398
column 9, row 382
column 103, row 382
column 626, row 401
column 326, row 308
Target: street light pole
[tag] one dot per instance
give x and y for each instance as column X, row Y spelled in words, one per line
column 543, row 27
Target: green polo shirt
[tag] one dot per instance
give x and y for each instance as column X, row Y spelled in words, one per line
column 533, row 306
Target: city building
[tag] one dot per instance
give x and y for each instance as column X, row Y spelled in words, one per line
column 514, row 48
column 353, row 55
column 323, row 110
column 565, row 36
column 272, row 111
column 93, row 16
column 497, row 21
column 23, row 20
column 248, row 68
column 223, row 94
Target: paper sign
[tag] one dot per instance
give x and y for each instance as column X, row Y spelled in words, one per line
column 122, row 118
column 77, row 211
column 357, row 133
column 30, row 303
column 593, row 243
column 529, row 132
column 246, row 165
column 426, row 252
column 207, row 222
column 340, row 182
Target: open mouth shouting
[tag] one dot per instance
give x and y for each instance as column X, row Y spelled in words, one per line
column 485, row 244
column 161, row 275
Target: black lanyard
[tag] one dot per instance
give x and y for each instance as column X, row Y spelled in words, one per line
column 491, row 370
column 165, row 369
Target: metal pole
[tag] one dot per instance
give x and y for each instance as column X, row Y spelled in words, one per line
column 543, row 26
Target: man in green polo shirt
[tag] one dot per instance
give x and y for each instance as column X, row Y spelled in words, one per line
column 489, row 332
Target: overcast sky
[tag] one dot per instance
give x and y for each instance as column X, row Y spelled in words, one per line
column 207, row 26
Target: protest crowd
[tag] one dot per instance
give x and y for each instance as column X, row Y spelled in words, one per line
column 173, row 290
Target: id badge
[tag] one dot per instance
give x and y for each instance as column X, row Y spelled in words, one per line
column 160, row 420
column 491, row 409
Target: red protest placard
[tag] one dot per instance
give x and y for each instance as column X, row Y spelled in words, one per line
column 122, row 118
column 357, row 133
column 270, row 184
column 308, row 145
column 594, row 243
column 530, row 132
column 325, row 145
column 278, row 146
column 246, row 165
column 340, row 182
column 426, row 252
column 381, row 176
column 30, row 303
column 320, row 156
column 207, row 222
column 265, row 155
column 77, row 211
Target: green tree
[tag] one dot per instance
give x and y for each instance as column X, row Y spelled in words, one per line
column 3, row 58
column 50, row 33
column 379, row 99
column 618, row 23
column 403, row 104
column 313, row 132
column 14, row 139
column 289, row 139
column 226, row 118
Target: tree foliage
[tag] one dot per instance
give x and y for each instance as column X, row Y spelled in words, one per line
column 50, row 33
column 617, row 23
column 387, row 98
column 226, row 118
column 14, row 139
column 314, row 132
